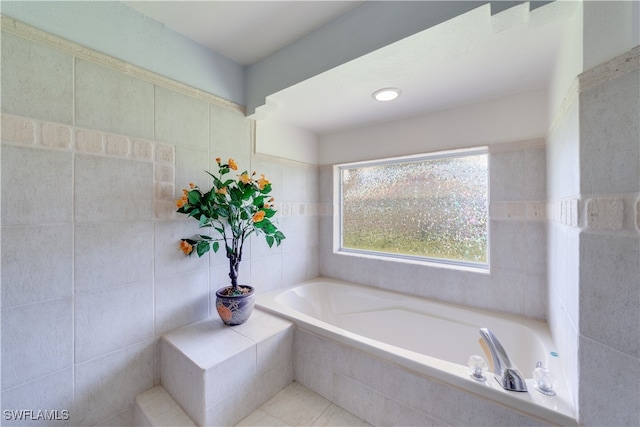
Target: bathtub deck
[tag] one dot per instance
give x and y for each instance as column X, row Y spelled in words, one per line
column 296, row 405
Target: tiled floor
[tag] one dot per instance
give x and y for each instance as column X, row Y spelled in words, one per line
column 298, row 406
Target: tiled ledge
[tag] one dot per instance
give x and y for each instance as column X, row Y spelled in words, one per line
column 219, row 375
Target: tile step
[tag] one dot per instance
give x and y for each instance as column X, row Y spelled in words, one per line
column 156, row 408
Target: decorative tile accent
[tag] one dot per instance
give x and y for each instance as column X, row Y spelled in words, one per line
column 49, row 135
column 56, row 136
column 604, row 214
column 17, row 129
column 164, row 191
column 117, row 146
column 534, row 211
column 563, row 211
column 142, row 150
column 89, row 141
column 637, row 214
column 165, row 153
column 165, row 173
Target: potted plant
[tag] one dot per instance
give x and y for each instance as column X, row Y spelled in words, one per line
column 234, row 208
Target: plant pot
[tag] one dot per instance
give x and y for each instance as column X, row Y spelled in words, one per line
column 235, row 309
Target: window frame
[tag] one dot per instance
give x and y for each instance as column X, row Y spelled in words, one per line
column 338, row 197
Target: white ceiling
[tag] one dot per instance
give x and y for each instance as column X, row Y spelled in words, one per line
column 243, row 31
column 467, row 59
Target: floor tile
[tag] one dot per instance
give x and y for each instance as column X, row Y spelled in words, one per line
column 260, row 418
column 296, row 405
column 335, row 416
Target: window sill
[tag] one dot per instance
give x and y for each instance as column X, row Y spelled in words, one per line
column 405, row 259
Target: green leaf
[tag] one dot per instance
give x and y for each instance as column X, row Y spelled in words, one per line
column 194, row 197
column 202, row 247
column 269, row 240
column 269, row 213
column 216, row 246
column 258, row 201
column 266, row 189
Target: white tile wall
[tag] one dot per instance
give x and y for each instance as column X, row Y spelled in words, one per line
column 100, row 246
column 51, row 392
column 112, row 318
column 382, row 393
column 37, row 340
column 52, row 168
column 110, row 101
column 39, row 264
column 41, row 80
column 181, row 120
column 89, row 186
column 108, row 385
column 593, row 257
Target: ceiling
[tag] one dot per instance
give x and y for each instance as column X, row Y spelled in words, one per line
column 473, row 57
column 243, row 31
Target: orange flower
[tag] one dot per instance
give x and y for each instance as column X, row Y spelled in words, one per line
column 192, row 185
column 258, row 216
column 267, row 205
column 262, row 182
column 271, row 199
column 233, row 165
column 186, row 247
column 222, row 190
column 244, row 178
column 218, row 160
column 181, row 202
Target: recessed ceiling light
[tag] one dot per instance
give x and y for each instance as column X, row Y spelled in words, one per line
column 386, row 94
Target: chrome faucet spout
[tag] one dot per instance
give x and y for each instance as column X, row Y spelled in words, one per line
column 505, row 372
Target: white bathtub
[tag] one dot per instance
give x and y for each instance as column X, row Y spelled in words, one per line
column 431, row 338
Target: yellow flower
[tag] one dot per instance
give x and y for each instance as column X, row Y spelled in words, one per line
column 262, row 182
column 186, row 247
column 222, row 190
column 244, row 178
column 233, row 165
column 258, row 216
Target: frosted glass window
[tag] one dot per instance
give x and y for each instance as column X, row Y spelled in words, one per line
column 433, row 207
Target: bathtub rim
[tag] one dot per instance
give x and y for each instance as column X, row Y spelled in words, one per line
column 444, row 371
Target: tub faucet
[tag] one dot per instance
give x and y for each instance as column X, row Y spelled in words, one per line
column 505, row 372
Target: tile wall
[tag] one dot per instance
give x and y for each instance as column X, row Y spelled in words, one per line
column 94, row 154
column 594, row 240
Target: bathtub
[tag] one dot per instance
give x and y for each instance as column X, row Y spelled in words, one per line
column 433, row 340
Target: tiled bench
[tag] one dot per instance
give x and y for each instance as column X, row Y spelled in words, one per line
column 218, row 374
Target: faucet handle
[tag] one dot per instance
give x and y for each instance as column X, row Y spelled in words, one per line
column 477, row 368
column 545, row 381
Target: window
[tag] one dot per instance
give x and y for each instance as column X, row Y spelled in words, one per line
column 430, row 207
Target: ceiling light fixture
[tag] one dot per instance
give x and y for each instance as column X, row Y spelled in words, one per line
column 386, row 94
